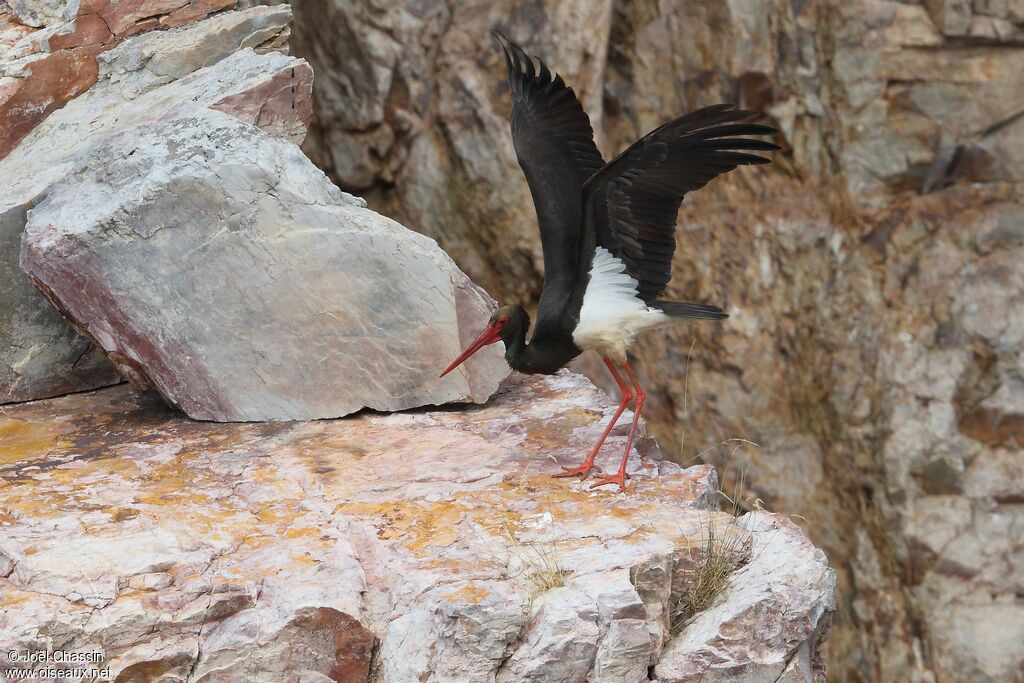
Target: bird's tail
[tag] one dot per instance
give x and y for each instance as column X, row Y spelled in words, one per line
column 676, row 309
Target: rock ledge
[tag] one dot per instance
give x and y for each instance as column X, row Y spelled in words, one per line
column 412, row 544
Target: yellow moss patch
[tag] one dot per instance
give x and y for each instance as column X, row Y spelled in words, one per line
column 304, row 560
column 467, row 595
column 265, row 475
column 121, row 514
column 301, row 532
column 11, row 599
column 23, row 441
column 416, row 525
column 174, row 483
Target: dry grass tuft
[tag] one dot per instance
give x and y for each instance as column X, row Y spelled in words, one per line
column 719, row 552
column 539, row 560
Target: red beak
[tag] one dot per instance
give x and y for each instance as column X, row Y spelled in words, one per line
column 491, row 334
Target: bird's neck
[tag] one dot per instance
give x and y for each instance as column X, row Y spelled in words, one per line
column 517, row 352
column 536, row 358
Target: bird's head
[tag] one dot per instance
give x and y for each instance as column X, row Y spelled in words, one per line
column 505, row 323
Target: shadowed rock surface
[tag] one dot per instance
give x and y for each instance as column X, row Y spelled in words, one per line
column 425, row 544
column 156, row 76
column 873, row 273
column 219, row 265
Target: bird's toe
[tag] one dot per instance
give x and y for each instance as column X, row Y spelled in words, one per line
column 582, row 470
column 617, row 478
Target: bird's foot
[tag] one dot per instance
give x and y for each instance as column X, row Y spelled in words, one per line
column 619, row 478
column 582, row 470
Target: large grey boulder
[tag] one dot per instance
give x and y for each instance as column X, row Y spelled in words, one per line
column 218, row 264
column 40, row 354
column 217, row 63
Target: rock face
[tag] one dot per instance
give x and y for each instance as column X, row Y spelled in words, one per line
column 384, row 547
column 408, row 115
column 218, row 264
column 156, row 76
column 873, row 273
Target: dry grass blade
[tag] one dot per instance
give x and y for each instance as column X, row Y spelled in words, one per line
column 720, row 552
column 539, row 560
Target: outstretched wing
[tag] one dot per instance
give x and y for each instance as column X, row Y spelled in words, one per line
column 630, row 206
column 555, row 146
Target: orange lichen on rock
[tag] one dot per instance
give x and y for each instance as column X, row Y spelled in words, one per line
column 22, row 441
column 469, row 594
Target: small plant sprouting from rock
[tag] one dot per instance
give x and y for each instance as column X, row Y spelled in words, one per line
column 721, row 548
column 718, row 555
column 539, row 560
column 545, row 573
column 719, row 552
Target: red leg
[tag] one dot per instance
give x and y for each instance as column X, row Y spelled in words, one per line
column 627, row 395
column 620, row 476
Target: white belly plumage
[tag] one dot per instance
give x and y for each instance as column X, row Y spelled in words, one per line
column 612, row 313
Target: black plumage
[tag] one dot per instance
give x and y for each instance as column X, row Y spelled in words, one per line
column 554, row 145
column 630, row 205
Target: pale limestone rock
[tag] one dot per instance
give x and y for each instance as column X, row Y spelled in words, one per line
column 40, row 354
column 218, row 264
column 39, row 13
column 157, row 76
column 51, row 49
column 562, row 639
column 383, row 119
column 295, row 551
column 156, row 58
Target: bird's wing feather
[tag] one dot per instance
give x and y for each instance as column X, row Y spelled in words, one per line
column 630, row 206
column 555, row 146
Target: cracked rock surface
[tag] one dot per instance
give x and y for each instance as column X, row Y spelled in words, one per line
column 226, row 62
column 393, row 548
column 218, row 264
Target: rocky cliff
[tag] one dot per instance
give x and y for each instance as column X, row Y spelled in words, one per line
column 49, row 115
column 160, row 223
column 874, row 275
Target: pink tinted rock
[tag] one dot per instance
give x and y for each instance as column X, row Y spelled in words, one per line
column 282, row 106
column 252, row 551
column 768, row 622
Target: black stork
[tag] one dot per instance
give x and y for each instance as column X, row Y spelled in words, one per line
column 607, row 230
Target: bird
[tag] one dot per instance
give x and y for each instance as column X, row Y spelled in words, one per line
column 607, row 231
